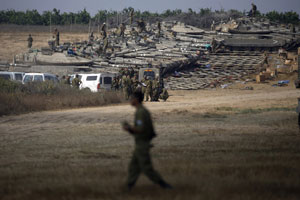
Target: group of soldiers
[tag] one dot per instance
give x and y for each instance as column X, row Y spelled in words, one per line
column 129, row 83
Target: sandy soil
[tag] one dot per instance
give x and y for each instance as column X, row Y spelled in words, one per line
column 13, row 43
column 211, row 144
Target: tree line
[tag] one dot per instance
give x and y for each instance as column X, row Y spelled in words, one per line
column 203, row 17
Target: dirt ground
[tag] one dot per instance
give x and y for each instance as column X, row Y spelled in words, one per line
column 14, row 42
column 211, row 144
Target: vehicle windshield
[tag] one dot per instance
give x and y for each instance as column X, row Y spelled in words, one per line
column 150, row 74
column 5, row 76
column 28, row 78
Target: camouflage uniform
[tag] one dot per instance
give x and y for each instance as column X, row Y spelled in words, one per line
column 115, row 84
column 155, row 90
column 149, row 91
column 30, row 40
column 126, row 83
column 57, row 38
column 164, row 95
column 158, row 27
column 105, row 45
column 76, row 82
column 141, row 159
column 135, row 83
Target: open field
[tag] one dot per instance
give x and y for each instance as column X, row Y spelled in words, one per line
column 13, row 39
column 211, row 144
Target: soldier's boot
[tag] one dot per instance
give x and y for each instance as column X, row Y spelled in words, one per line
column 165, row 185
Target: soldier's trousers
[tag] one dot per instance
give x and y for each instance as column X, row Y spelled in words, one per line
column 141, row 163
column 148, row 95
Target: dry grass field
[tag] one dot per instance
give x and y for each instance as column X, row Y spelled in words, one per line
column 211, row 144
column 13, row 39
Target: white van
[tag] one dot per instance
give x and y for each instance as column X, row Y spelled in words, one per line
column 96, row 82
column 13, row 76
column 39, row 77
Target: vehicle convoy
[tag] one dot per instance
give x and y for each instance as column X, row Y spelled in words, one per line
column 96, row 82
column 39, row 77
column 13, row 76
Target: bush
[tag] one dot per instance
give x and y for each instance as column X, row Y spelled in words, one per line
column 17, row 98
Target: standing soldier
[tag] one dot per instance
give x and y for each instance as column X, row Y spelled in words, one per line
column 155, row 90
column 125, row 85
column 115, row 84
column 253, row 10
column 135, row 83
column 143, row 133
column 122, row 29
column 214, row 45
column 30, row 40
column 131, row 16
column 143, row 82
column 141, row 25
column 76, row 82
column 103, row 30
column 148, row 91
column 158, row 27
column 56, row 35
column 105, row 45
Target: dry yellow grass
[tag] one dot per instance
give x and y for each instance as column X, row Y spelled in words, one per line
column 205, row 147
column 13, row 43
column 211, row 144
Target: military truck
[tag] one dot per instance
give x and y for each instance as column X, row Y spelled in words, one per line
column 152, row 73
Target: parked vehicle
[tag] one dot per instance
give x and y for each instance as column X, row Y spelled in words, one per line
column 96, row 82
column 39, row 77
column 13, row 76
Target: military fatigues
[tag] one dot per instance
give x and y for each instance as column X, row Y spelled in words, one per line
column 126, row 83
column 155, row 90
column 141, row 159
column 30, row 40
column 57, row 39
column 148, row 91
column 76, row 83
column 164, row 95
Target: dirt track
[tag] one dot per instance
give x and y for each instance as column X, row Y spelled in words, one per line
column 212, row 144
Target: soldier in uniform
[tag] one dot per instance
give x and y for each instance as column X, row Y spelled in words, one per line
column 135, row 83
column 164, row 95
column 115, row 84
column 126, row 83
column 158, row 27
column 149, row 91
column 155, row 90
column 214, row 45
column 253, row 10
column 103, row 30
column 143, row 82
column 76, row 82
column 105, row 45
column 56, row 33
column 143, row 132
column 141, row 25
column 122, row 29
column 30, row 40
